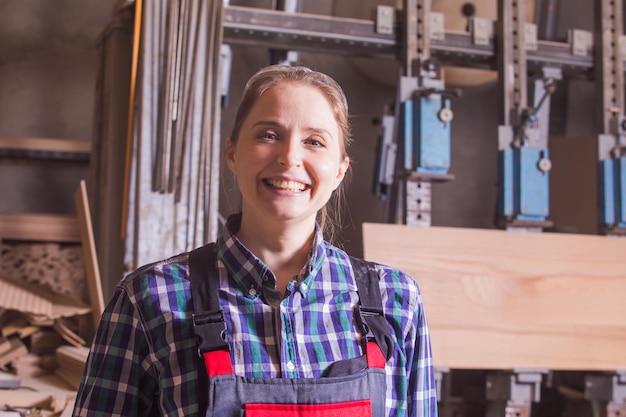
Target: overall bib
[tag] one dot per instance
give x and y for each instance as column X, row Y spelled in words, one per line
column 352, row 387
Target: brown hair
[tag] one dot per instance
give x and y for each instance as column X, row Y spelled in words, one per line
column 273, row 75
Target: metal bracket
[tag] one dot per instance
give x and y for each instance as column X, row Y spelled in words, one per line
column 386, row 158
column 609, row 146
column 385, row 19
column 442, row 381
column 542, row 89
column 448, row 405
column 609, row 391
column 530, row 32
column 511, row 394
column 482, row 30
column 581, row 42
column 418, row 203
column 437, row 26
column 225, row 68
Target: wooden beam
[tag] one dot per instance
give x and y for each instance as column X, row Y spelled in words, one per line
column 90, row 257
column 39, row 227
column 46, row 145
column 504, row 300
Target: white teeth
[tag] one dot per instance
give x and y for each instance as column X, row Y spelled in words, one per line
column 287, row 185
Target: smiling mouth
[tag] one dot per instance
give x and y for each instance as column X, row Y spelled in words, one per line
column 292, row 186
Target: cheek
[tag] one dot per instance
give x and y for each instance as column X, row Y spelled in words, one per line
column 331, row 174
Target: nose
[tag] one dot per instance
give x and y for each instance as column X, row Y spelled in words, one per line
column 290, row 154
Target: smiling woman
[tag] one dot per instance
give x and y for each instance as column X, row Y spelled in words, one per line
column 272, row 306
column 334, row 112
column 288, row 161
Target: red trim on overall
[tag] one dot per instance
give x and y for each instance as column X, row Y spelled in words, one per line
column 217, row 363
column 360, row 408
column 375, row 357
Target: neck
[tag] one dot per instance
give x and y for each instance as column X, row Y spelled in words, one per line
column 284, row 249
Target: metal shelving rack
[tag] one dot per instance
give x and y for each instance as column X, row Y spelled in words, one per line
column 358, row 37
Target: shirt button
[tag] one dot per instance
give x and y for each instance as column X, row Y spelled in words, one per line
column 290, row 366
column 252, row 292
column 303, row 287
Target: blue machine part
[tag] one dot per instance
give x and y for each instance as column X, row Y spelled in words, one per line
column 612, row 186
column 525, row 187
column 406, row 121
column 426, row 137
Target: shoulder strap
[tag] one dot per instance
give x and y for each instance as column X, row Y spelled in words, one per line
column 208, row 320
column 370, row 316
column 201, row 263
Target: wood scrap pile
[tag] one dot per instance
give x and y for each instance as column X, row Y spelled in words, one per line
column 42, row 347
column 58, row 267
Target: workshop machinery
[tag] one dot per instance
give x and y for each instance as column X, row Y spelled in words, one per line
column 524, row 162
column 414, row 149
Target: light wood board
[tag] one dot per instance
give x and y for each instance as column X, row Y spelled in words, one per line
column 496, row 299
column 46, row 144
column 90, row 256
column 39, row 227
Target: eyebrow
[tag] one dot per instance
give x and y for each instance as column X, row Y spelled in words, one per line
column 275, row 124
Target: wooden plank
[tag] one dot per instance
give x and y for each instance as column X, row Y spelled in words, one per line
column 39, row 227
column 503, row 300
column 46, row 144
column 90, row 257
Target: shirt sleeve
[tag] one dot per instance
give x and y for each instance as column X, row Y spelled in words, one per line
column 118, row 379
column 412, row 376
column 422, row 389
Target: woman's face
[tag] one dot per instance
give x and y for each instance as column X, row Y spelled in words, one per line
column 287, row 159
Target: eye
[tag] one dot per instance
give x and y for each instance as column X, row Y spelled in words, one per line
column 316, row 142
column 267, row 135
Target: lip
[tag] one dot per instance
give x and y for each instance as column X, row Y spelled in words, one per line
column 286, row 184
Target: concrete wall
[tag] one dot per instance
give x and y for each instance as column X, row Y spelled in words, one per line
column 48, row 64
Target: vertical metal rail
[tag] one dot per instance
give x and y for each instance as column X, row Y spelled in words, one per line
column 179, row 92
column 512, row 60
column 191, row 53
column 212, row 122
column 169, row 86
column 609, row 66
column 609, row 75
column 409, row 37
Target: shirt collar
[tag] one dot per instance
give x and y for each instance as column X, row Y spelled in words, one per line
column 250, row 273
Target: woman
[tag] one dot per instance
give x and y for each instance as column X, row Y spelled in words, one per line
column 284, row 320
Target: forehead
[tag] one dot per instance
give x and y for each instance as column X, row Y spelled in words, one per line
column 291, row 99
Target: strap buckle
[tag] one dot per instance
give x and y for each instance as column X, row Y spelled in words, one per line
column 361, row 320
column 210, row 329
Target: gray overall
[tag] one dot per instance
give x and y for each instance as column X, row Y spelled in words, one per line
column 352, row 387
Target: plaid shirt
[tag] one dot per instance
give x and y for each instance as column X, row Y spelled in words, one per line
column 144, row 362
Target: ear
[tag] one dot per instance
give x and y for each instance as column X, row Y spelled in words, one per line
column 341, row 172
column 230, row 155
